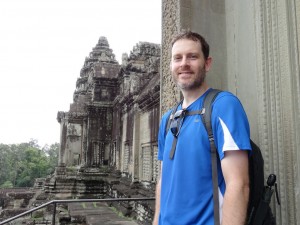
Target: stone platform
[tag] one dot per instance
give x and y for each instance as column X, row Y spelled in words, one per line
column 98, row 214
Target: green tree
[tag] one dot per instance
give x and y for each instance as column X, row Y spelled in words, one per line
column 52, row 152
column 5, row 163
column 22, row 163
column 34, row 165
column 7, row 184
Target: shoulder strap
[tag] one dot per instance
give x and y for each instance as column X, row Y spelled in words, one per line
column 206, row 118
column 168, row 124
column 207, row 109
column 169, row 119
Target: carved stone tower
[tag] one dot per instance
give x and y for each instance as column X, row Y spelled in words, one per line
column 86, row 129
column 113, row 120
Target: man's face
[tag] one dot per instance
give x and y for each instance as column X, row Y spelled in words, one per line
column 188, row 65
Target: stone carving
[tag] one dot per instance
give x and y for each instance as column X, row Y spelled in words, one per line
column 156, row 164
column 126, row 159
column 124, row 59
column 102, row 124
column 74, row 130
column 147, row 163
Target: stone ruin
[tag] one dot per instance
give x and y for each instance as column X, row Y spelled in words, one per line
column 114, row 118
column 108, row 138
column 108, row 144
column 14, row 201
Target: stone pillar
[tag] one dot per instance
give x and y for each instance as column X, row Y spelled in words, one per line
column 123, row 154
column 84, row 143
column 88, row 145
column 255, row 50
column 118, row 146
column 63, row 141
column 136, row 143
column 277, row 51
column 170, row 25
column 62, row 118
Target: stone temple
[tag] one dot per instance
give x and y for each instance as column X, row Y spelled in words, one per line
column 108, row 138
column 108, row 141
column 113, row 120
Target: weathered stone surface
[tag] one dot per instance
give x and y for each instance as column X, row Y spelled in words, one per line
column 113, row 106
column 108, row 141
column 97, row 213
column 15, row 201
column 109, row 135
column 108, row 138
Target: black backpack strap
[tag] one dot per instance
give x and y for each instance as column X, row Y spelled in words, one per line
column 195, row 112
column 206, row 118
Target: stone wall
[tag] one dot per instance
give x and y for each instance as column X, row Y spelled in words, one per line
column 114, row 118
column 14, row 201
column 112, row 126
column 113, row 106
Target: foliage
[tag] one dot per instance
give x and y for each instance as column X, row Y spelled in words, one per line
column 7, row 184
column 22, row 163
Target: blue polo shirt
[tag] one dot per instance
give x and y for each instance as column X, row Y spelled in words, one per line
column 187, row 189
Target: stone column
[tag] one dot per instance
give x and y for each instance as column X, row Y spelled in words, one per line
column 136, row 143
column 84, row 143
column 124, row 165
column 62, row 118
column 170, row 25
column 63, row 141
column 277, row 47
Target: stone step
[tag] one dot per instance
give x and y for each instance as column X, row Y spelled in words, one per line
column 99, row 214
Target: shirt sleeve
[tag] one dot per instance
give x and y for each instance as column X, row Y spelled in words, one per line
column 230, row 124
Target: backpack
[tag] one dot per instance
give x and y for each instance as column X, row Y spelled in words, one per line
column 259, row 211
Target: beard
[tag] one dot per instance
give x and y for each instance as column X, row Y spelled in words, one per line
column 194, row 83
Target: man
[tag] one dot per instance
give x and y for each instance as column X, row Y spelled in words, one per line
column 184, row 193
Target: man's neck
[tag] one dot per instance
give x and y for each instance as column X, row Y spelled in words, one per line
column 189, row 96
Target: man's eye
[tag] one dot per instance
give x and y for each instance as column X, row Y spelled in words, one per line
column 177, row 58
column 193, row 57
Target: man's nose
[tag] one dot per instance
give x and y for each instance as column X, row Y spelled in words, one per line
column 184, row 61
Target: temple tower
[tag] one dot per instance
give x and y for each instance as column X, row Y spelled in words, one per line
column 114, row 118
column 86, row 129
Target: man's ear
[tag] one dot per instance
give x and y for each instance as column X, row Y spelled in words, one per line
column 208, row 63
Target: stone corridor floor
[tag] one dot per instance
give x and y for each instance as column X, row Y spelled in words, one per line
column 99, row 214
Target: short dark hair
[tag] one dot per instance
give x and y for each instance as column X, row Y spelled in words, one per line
column 194, row 37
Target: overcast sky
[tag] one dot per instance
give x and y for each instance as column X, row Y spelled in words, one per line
column 43, row 45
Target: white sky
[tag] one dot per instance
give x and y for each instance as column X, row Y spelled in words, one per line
column 43, row 45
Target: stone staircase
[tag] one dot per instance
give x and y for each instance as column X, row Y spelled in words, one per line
column 97, row 214
column 74, row 185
